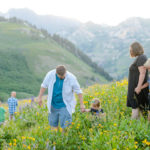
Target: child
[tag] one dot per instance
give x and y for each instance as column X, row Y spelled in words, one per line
column 147, row 66
column 12, row 104
column 95, row 108
column 2, row 115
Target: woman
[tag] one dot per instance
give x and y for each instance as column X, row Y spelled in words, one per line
column 138, row 75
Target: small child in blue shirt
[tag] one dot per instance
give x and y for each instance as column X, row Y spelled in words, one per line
column 95, row 109
column 12, row 104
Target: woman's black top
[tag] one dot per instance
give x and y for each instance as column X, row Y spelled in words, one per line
column 134, row 100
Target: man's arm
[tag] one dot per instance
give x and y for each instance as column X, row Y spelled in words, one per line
column 44, row 86
column 78, row 91
column 42, row 90
column 82, row 107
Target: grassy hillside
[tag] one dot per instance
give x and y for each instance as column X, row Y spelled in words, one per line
column 26, row 55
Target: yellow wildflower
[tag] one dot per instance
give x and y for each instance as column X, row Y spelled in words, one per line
column 136, row 142
column 115, row 124
column 14, row 144
column 135, row 146
column 23, row 138
column 24, row 146
column 144, row 141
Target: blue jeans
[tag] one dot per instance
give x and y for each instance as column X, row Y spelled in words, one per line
column 61, row 116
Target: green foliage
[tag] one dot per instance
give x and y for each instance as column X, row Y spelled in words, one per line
column 16, row 75
column 3, row 96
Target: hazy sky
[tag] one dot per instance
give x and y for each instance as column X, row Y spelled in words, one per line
column 109, row 12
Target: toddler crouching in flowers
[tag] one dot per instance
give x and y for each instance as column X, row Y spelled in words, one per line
column 96, row 109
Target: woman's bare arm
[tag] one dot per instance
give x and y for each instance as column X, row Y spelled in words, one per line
column 142, row 71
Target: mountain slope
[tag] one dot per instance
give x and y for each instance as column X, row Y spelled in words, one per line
column 108, row 46
column 26, row 55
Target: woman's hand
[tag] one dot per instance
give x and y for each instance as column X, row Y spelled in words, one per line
column 138, row 90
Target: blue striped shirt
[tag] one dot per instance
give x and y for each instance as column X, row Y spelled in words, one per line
column 12, row 104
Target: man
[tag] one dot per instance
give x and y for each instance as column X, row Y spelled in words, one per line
column 12, row 104
column 61, row 102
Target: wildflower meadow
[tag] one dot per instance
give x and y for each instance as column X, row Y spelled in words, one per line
column 30, row 130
